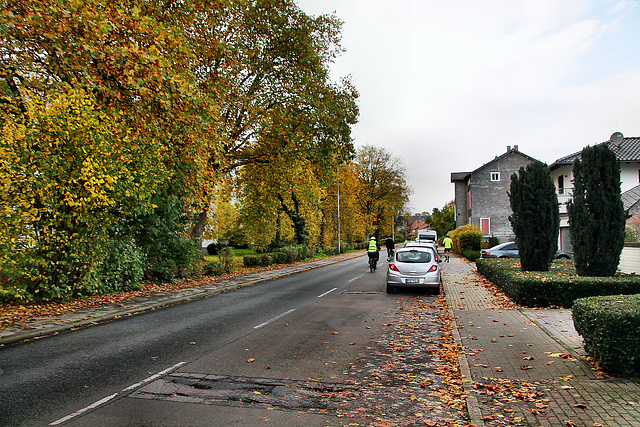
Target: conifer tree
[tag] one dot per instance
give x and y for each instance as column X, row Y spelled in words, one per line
column 535, row 218
column 596, row 213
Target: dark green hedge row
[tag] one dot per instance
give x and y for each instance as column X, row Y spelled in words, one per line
column 286, row 255
column 610, row 328
column 542, row 289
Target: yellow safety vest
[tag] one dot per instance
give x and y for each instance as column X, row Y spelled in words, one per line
column 373, row 247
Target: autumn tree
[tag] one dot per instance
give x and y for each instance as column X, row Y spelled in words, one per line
column 353, row 224
column 139, row 62
column 596, row 213
column 383, row 190
column 442, row 220
column 535, row 218
column 277, row 96
column 216, row 85
column 72, row 179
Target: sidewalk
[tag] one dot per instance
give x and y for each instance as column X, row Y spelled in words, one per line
column 39, row 327
column 525, row 366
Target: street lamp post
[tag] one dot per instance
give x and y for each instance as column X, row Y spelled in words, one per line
column 339, row 251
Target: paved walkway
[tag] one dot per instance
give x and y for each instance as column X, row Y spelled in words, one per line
column 525, row 366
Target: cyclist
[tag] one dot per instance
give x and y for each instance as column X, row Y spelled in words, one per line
column 390, row 244
column 374, row 253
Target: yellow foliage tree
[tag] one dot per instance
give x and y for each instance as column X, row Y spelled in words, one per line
column 69, row 175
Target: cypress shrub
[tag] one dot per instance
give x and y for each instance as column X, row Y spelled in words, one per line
column 596, row 213
column 535, row 219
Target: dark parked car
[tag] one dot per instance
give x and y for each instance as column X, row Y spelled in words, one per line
column 510, row 250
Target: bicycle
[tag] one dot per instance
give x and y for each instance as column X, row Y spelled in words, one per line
column 373, row 261
column 390, row 253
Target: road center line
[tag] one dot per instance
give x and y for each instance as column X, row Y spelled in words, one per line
column 274, row 319
column 357, row 277
column 326, row 293
column 114, row 395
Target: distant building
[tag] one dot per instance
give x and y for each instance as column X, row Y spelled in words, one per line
column 481, row 196
column 412, row 230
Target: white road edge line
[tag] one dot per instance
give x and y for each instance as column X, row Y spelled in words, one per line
column 327, row 293
column 261, row 325
column 114, row 395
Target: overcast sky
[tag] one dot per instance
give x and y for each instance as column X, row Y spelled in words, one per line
column 447, row 85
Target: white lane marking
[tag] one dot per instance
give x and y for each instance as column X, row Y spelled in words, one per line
column 154, row 377
column 355, row 278
column 114, row 395
column 274, row 319
column 328, row 292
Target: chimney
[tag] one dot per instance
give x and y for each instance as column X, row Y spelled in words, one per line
column 508, row 148
column 515, row 148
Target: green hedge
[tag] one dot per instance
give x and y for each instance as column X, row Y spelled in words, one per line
column 610, row 327
column 558, row 287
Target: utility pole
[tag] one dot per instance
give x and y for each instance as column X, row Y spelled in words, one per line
column 339, row 251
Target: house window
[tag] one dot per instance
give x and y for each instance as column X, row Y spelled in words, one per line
column 561, row 184
column 495, row 176
column 485, row 225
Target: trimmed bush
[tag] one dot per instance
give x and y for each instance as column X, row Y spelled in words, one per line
column 265, row 260
column 553, row 288
column 610, row 327
column 471, row 255
column 279, row 257
column 213, row 268
column 250, row 260
column 330, row 251
column 292, row 254
column 466, row 237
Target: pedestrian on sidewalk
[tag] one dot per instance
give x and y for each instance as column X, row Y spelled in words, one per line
column 448, row 244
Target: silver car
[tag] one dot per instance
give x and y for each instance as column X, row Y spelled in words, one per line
column 414, row 267
column 510, row 250
column 503, row 250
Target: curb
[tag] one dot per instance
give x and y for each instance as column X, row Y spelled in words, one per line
column 473, row 407
column 185, row 295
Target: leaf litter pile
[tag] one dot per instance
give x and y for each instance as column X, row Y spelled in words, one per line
column 411, row 375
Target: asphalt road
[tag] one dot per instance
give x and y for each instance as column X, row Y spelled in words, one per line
column 258, row 355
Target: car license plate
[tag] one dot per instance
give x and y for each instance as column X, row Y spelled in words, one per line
column 412, row 281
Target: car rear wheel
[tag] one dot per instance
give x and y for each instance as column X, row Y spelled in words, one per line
column 390, row 289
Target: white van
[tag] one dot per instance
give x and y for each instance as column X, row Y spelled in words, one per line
column 427, row 236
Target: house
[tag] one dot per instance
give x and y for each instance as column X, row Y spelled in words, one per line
column 627, row 150
column 481, row 196
column 416, row 225
column 631, row 200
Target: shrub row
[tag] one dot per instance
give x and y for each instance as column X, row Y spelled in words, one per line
column 610, row 328
column 537, row 289
column 286, row 255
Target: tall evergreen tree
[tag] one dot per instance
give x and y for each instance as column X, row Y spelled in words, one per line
column 535, row 218
column 596, row 213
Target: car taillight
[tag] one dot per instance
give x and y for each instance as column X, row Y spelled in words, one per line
column 486, row 253
column 434, row 267
column 393, row 267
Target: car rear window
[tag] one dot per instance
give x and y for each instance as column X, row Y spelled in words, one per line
column 413, row 256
